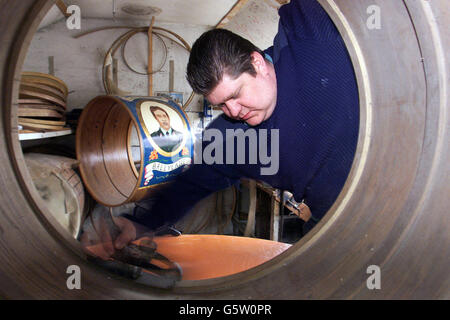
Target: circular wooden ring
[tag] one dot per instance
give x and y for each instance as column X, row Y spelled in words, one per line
column 37, row 75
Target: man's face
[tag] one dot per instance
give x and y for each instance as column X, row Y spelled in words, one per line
column 163, row 119
column 248, row 98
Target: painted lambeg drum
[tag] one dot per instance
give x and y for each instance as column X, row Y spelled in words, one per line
column 130, row 146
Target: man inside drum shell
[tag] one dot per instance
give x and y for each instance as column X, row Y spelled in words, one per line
column 304, row 86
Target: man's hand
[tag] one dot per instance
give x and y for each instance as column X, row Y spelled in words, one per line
column 128, row 232
column 103, row 234
column 303, row 212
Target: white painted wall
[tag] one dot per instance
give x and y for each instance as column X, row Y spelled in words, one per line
column 257, row 21
column 79, row 61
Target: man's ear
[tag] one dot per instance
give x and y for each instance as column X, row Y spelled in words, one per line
column 259, row 63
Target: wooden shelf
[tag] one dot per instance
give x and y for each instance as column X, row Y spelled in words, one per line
column 44, row 135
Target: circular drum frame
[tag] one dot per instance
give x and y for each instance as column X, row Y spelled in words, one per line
column 392, row 211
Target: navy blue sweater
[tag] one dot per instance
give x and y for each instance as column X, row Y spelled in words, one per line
column 317, row 115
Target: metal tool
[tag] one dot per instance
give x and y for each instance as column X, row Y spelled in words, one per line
column 141, row 263
column 300, row 208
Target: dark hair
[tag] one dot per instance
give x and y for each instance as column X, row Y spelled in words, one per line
column 153, row 109
column 216, row 52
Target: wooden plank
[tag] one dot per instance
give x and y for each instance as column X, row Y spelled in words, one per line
column 32, row 112
column 42, row 81
column 37, row 127
column 171, row 75
column 31, row 94
column 115, row 72
column 42, row 106
column 34, row 101
column 41, row 88
column 274, row 219
column 51, row 65
column 41, row 134
column 40, row 121
column 63, row 7
column 150, row 57
column 230, row 14
column 250, row 227
column 49, row 77
column 282, row 1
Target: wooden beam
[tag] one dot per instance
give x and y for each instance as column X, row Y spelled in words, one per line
column 115, row 68
column 274, row 219
column 150, row 57
column 250, row 227
column 171, row 75
column 282, row 1
column 230, row 14
column 51, row 65
column 62, row 6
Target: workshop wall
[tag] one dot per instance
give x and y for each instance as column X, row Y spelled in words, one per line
column 257, row 21
column 79, row 61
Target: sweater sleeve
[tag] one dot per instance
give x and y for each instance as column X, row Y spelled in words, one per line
column 178, row 197
column 306, row 19
column 302, row 20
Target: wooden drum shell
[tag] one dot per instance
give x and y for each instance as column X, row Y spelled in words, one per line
column 103, row 143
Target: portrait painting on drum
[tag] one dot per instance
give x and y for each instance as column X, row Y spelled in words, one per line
column 165, row 127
